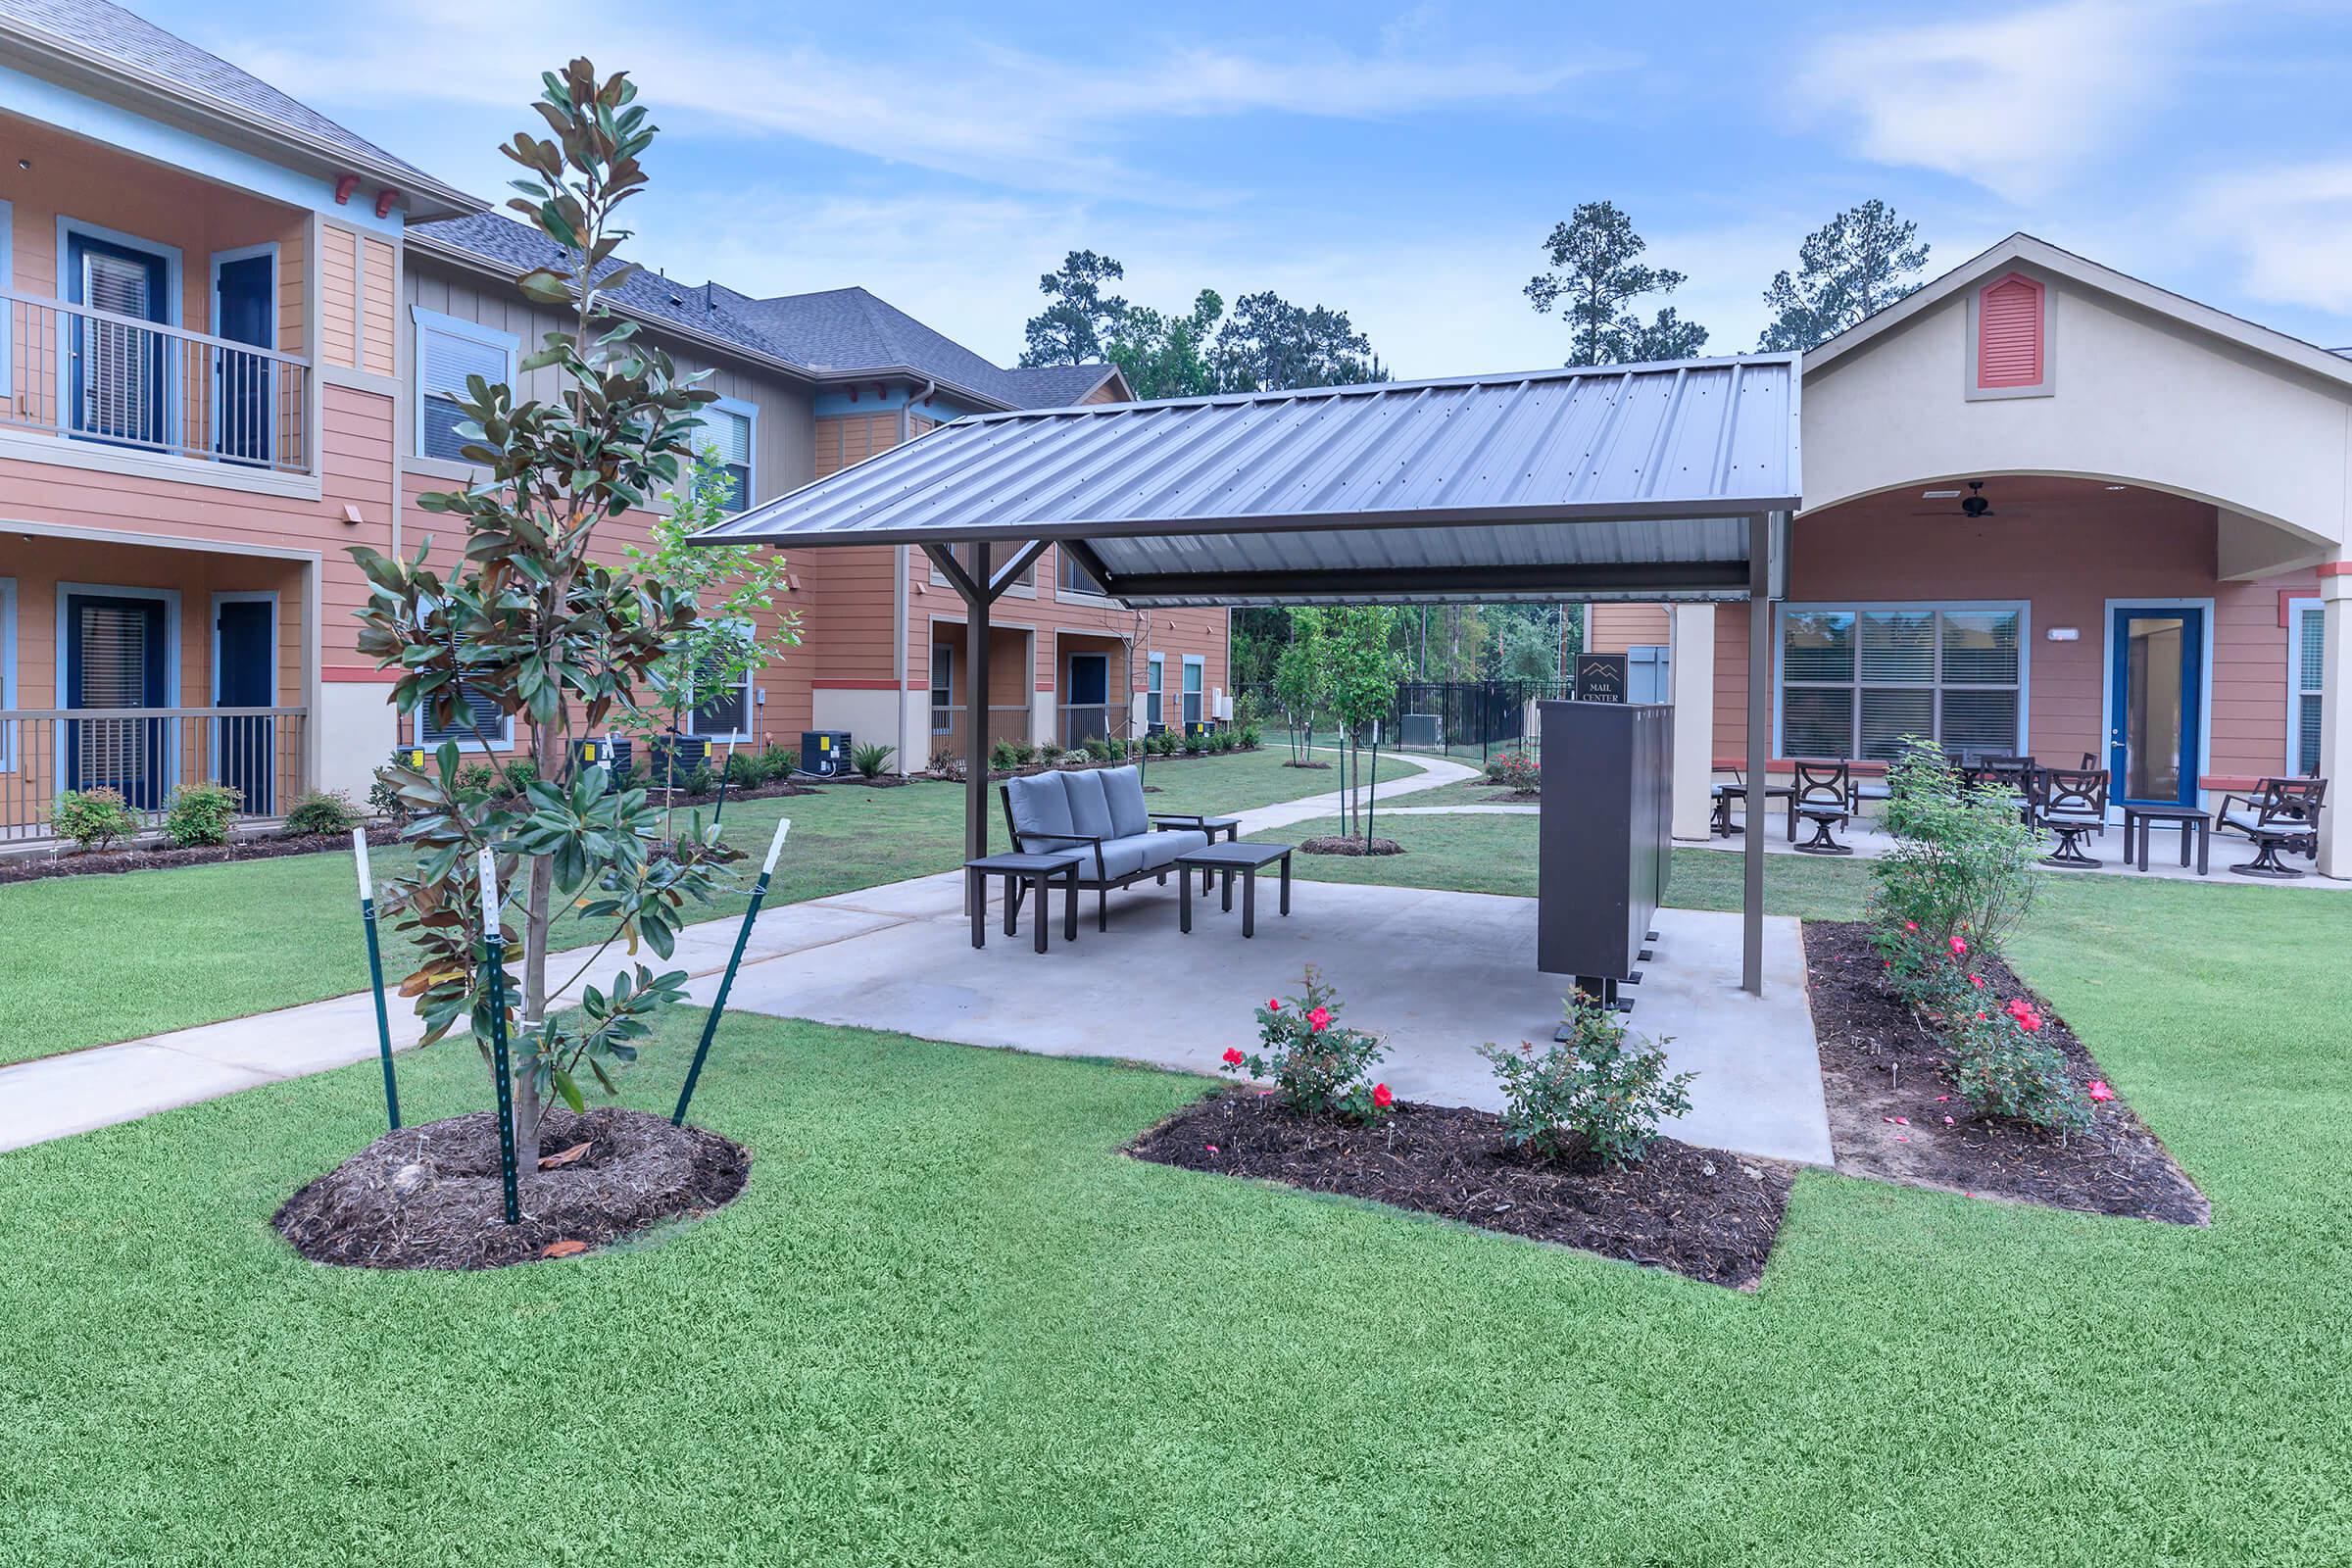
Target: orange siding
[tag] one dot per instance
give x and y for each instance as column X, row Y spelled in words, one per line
column 338, row 296
column 1611, row 629
column 379, row 307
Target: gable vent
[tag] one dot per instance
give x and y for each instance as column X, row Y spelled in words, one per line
column 2009, row 333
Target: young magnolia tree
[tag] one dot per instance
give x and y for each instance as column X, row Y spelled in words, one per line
column 1362, row 667
column 1300, row 678
column 524, row 621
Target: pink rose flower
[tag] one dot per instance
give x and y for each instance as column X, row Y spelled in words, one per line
column 2099, row 1090
column 1273, row 1003
column 1233, row 1057
column 1319, row 1019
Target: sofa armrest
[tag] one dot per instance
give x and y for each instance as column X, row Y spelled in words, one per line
column 1090, row 839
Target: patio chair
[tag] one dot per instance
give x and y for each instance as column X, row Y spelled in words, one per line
column 1823, row 790
column 1726, row 794
column 1864, row 787
column 2071, row 802
column 2280, row 816
column 2013, row 772
column 1098, row 817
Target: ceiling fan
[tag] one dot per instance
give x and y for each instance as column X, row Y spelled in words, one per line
column 1972, row 505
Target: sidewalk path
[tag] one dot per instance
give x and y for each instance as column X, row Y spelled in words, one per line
column 56, row 1097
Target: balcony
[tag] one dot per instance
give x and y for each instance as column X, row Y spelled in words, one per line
column 143, row 754
column 108, row 381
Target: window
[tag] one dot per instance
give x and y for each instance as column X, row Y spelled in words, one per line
column 447, row 351
column 477, row 721
column 1075, row 578
column 1195, row 669
column 2303, row 650
column 727, row 430
column 942, row 688
column 1025, row 584
column 722, row 708
column 1153, row 721
column 1854, row 681
column 7, row 671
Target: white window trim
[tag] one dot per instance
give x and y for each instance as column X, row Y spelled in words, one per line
column 424, row 322
column 751, row 714
column 1193, row 662
column 2297, row 610
column 2023, row 608
column 751, row 444
column 7, row 671
column 1155, row 691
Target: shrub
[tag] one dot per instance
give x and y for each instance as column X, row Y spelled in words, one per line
column 1318, row 1065
column 871, row 757
column 517, row 777
column 1220, row 740
column 2002, row 1065
column 1163, row 743
column 1004, row 755
column 202, row 813
column 480, row 776
column 700, row 780
column 624, row 776
column 321, row 811
column 93, row 818
column 1514, row 769
column 1962, row 864
column 1049, row 752
column 1194, row 743
column 1096, row 748
column 1246, row 737
column 743, row 771
column 1591, row 1095
column 778, row 761
column 944, row 760
column 383, row 799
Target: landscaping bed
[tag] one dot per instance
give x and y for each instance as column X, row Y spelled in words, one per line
column 1349, row 844
column 1894, row 1115
column 431, row 1197
column 1699, row 1213
column 103, row 863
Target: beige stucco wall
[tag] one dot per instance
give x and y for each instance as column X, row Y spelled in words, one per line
column 2138, row 398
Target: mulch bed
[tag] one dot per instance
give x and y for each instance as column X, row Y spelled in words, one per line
column 1702, row 1212
column 1895, row 1116
column 1515, row 797
column 1321, row 766
column 954, row 774
column 430, row 1197
column 773, row 789
column 107, row 863
column 1335, row 844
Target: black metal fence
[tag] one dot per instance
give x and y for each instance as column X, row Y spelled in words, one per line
column 1466, row 719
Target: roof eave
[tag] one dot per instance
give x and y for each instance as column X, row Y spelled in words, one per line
column 426, row 197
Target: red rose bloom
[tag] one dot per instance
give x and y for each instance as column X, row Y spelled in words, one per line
column 1319, row 1019
column 1380, row 1096
column 1273, row 1003
column 1233, row 1057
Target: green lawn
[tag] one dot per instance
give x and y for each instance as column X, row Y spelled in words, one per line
column 93, row 959
column 949, row 1323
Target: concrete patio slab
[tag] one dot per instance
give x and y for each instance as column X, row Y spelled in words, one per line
column 1436, row 974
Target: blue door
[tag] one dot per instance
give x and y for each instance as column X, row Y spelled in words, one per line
column 243, row 383
column 2156, row 705
column 119, row 368
column 115, row 650
column 245, row 746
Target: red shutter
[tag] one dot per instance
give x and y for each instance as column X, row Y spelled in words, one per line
column 2009, row 333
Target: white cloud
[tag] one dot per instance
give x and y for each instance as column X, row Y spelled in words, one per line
column 2015, row 103
column 971, row 108
column 2290, row 229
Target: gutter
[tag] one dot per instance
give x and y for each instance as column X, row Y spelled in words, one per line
column 427, row 197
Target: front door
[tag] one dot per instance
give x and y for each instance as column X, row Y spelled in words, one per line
column 244, row 653
column 116, row 648
column 118, row 373
column 242, row 383
column 1089, row 698
column 2156, row 705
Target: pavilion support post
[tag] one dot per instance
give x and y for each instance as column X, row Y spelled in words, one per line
column 976, row 706
column 1759, row 750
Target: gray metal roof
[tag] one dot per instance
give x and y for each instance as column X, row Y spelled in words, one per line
column 1618, row 482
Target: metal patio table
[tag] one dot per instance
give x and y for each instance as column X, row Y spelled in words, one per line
column 1227, row 861
column 1020, row 872
column 2190, row 819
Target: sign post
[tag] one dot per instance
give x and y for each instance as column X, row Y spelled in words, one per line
column 718, row 1003
column 494, row 954
column 375, row 973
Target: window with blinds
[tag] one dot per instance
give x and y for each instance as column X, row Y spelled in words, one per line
column 1854, row 681
column 722, row 708
column 447, row 351
column 478, row 719
column 942, row 688
column 2304, row 649
column 726, row 435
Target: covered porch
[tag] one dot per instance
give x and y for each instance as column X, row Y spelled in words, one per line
column 140, row 667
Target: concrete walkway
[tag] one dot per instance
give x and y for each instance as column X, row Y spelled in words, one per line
column 59, row 1096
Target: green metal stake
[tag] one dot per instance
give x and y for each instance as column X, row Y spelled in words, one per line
column 725, row 769
column 719, row 1004
column 494, row 953
column 375, row 974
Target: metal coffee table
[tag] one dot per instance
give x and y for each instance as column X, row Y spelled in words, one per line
column 1020, row 872
column 2192, row 821
column 1228, row 860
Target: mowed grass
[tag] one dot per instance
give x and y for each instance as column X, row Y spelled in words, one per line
column 947, row 1322
column 91, row 960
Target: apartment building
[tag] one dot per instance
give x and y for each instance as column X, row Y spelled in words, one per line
column 231, row 329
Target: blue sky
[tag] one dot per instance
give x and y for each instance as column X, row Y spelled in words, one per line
column 1401, row 162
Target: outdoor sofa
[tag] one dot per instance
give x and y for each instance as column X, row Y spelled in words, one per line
column 1097, row 816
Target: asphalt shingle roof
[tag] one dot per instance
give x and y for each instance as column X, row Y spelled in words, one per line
column 132, row 41
column 837, row 330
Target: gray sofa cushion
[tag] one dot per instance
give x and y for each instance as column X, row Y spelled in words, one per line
column 1089, row 807
column 1123, row 789
column 1161, row 849
column 1040, row 805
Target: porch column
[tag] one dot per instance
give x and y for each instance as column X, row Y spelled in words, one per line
column 1760, row 531
column 2335, row 716
column 1691, row 678
column 975, row 708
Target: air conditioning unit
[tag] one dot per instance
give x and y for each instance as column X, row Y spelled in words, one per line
column 824, row 751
